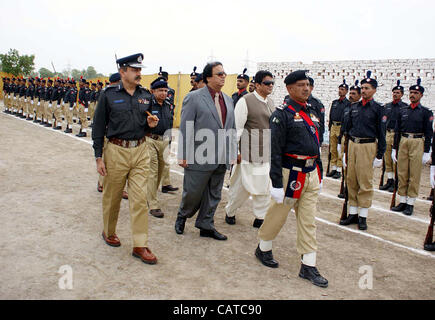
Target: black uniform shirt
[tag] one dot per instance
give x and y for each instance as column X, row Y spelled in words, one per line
column 48, row 94
column 30, row 91
column 56, row 95
column 289, row 135
column 23, row 89
column 237, row 95
column 164, row 113
column 318, row 110
column 368, row 121
column 337, row 110
column 120, row 115
column 392, row 113
column 418, row 120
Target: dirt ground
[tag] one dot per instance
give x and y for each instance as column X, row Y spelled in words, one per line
column 51, row 216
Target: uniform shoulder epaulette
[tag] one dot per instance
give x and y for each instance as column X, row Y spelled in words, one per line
column 282, row 106
column 110, row 87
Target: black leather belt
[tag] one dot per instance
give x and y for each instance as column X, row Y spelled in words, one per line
column 390, row 130
column 336, row 123
column 154, row 136
column 362, row 140
column 127, row 143
column 413, row 135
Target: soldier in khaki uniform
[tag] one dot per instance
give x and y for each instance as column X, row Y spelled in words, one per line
column 122, row 117
column 412, row 135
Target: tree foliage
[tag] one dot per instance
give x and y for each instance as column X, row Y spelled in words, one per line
column 17, row 64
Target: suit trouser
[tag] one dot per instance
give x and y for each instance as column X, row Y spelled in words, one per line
column 333, row 141
column 305, row 209
column 122, row 164
column 237, row 196
column 83, row 116
column 202, row 190
column 390, row 166
column 409, row 165
column 158, row 151
column 359, row 175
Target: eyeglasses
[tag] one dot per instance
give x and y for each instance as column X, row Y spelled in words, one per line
column 221, row 74
column 268, row 83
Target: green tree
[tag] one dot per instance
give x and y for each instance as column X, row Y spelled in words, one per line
column 45, row 73
column 13, row 63
column 90, row 73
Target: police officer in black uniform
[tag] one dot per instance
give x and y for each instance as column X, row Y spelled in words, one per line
column 30, row 93
column 6, row 92
column 171, row 92
column 392, row 112
column 122, row 116
column 22, row 95
column 192, row 78
column 242, row 84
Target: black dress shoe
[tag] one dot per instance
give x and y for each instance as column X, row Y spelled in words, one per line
column 337, row 175
column 429, row 247
column 179, row 225
column 362, row 223
column 390, row 183
column 266, row 258
column 168, row 188
column 230, row 220
column 48, row 125
column 409, row 209
column 391, row 188
column 351, row 219
column 341, row 195
column 331, row 173
column 57, row 128
column 313, row 275
column 212, row 234
column 68, row 130
column 81, row 134
column 257, row 223
column 402, row 206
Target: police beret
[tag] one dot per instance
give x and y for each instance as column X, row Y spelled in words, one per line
column 198, row 77
column 311, row 80
column 50, row 81
column 344, row 85
column 243, row 75
column 194, row 74
column 369, row 80
column 164, row 74
column 94, row 84
column 134, row 61
column 417, row 86
column 295, row 76
column 398, row 87
column 160, row 82
column 115, row 77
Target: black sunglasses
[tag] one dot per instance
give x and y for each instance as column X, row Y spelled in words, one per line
column 268, row 83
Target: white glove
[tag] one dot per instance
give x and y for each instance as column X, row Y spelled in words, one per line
column 320, row 186
column 344, row 161
column 377, row 163
column 25, row 100
column 432, row 176
column 393, row 155
column 49, row 105
column 426, row 157
column 86, row 109
column 277, row 194
column 31, row 102
column 74, row 104
column 39, row 103
column 15, row 98
column 339, row 149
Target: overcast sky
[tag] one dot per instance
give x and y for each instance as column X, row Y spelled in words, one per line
column 181, row 34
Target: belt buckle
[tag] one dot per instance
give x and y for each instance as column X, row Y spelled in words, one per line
column 133, row 143
column 309, row 162
column 357, row 140
column 124, row 143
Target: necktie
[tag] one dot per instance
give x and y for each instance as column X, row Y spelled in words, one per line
column 218, row 106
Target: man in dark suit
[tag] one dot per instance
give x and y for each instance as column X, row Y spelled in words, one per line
column 207, row 146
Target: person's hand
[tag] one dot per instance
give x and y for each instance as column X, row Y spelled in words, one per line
column 339, row 149
column 377, row 163
column 277, row 194
column 394, row 155
column 183, row 163
column 320, row 186
column 426, row 157
column 101, row 168
column 152, row 120
column 432, row 176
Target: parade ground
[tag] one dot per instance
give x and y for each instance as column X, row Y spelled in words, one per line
column 51, row 224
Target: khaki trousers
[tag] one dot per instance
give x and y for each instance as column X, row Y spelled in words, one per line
column 333, row 141
column 237, row 196
column 166, row 181
column 57, row 109
column 158, row 152
column 20, row 103
column 83, row 116
column 48, row 111
column 390, row 166
column 122, row 164
column 39, row 109
column 305, row 208
column 360, row 174
column 409, row 165
column 68, row 114
column 91, row 110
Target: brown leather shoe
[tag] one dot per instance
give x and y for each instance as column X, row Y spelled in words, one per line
column 145, row 255
column 112, row 240
column 124, row 195
column 157, row 213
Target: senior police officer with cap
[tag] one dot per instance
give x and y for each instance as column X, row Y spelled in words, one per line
column 158, row 141
column 392, row 112
column 412, row 135
column 295, row 175
column 242, row 84
column 122, row 116
column 366, row 129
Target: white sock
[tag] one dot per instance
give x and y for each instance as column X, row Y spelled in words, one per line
column 390, row 175
column 309, row 259
column 339, row 169
column 363, row 212
column 403, row 199
column 334, row 168
column 353, row 210
column 411, row 201
column 265, row 245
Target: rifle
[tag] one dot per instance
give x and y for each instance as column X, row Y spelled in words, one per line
column 346, row 194
column 340, row 195
column 429, row 234
column 329, row 157
column 396, row 178
column 381, row 183
column 430, row 195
